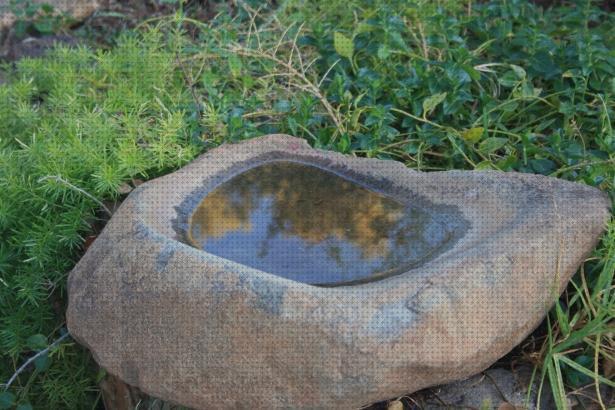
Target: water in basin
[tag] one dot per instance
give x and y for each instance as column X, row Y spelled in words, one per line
column 313, row 226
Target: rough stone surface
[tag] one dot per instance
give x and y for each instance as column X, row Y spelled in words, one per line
column 193, row 328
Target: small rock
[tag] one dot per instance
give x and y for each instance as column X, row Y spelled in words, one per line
column 395, row 405
column 125, row 188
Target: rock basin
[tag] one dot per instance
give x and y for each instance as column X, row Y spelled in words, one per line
column 314, row 226
column 193, row 293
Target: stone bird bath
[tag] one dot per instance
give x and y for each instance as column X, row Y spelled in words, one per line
column 268, row 274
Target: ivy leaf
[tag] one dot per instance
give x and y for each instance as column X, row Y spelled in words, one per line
column 492, row 144
column 282, row 106
column 512, row 77
column 575, row 377
column 20, row 28
column 37, row 342
column 473, row 135
column 542, row 166
column 509, row 79
column 430, row 103
column 343, row 45
column 483, row 165
column 7, row 399
column 363, row 28
column 42, row 362
column 47, row 8
column 45, row 25
column 383, row 52
column 519, row 71
column 474, row 74
column 344, row 143
column 32, row 9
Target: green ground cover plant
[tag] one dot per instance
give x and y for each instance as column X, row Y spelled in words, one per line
column 437, row 85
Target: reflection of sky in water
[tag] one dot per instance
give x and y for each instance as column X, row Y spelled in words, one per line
column 258, row 219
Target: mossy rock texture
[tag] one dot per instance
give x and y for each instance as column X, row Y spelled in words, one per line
column 206, row 332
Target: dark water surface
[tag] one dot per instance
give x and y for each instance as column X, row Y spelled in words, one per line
column 311, row 225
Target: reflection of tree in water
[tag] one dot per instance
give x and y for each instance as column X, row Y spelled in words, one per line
column 316, row 206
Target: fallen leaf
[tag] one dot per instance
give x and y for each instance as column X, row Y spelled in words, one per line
column 473, row 134
column 395, row 405
column 343, row 45
column 89, row 241
column 431, row 102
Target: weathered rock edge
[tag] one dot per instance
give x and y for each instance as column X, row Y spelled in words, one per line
column 196, row 329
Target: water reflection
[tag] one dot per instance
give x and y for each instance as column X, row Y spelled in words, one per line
column 310, row 225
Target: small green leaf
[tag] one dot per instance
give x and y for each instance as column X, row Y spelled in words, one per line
column 383, row 52
column 7, row 399
column 20, row 28
column 45, row 25
column 282, row 106
column 509, row 106
column 363, row 28
column 519, row 71
column 24, row 406
column 580, row 374
column 473, row 73
column 37, row 342
column 343, row 45
column 47, row 8
column 581, row 365
column 32, row 9
column 344, row 143
column 473, row 135
column 492, row 144
column 430, row 103
column 42, row 362
column 542, row 166
column 483, row 165
column 509, row 79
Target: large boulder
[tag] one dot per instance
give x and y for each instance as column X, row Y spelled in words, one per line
column 203, row 330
